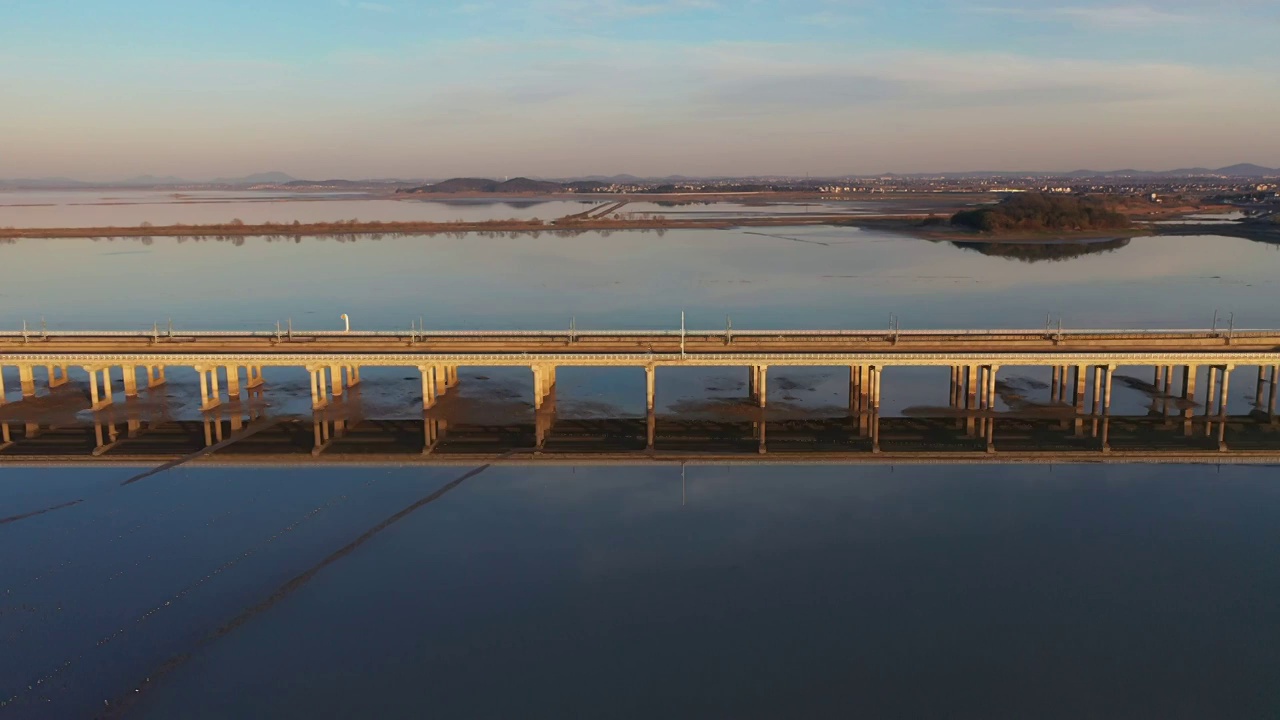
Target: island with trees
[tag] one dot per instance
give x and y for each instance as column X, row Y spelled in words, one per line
column 1031, row 213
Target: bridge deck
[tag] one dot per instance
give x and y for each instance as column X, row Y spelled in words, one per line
column 626, row 347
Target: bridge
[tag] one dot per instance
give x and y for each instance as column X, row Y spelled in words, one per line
column 226, row 364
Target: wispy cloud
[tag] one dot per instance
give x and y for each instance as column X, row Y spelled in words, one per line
column 1105, row 17
column 367, row 6
column 623, row 9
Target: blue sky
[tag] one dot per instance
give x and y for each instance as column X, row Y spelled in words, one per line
column 423, row 88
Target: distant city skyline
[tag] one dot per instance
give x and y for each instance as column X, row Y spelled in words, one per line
column 564, row 88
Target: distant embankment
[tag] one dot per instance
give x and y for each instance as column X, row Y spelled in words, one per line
column 299, row 229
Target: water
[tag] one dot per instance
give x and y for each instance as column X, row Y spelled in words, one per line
column 635, row 591
column 788, row 277
column 130, row 208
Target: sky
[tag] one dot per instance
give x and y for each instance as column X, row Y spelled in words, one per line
column 557, row 88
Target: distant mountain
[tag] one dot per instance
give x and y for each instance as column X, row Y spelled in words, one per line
column 484, row 185
column 48, row 183
column 1249, row 170
column 151, row 180
column 1244, row 170
column 266, row 178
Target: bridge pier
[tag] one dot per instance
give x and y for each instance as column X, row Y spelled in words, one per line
column 1109, row 372
column 1212, row 394
column 130, row 373
column 3, row 400
column 428, row 386
column 762, row 385
column 1271, row 400
column 255, row 377
column 57, row 375
column 155, row 376
column 100, row 395
column 27, row 379
column 233, row 382
column 651, row 387
column 210, row 393
column 335, row 381
column 544, row 383
column 1223, row 394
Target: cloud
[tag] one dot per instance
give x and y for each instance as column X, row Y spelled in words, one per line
column 367, row 6
column 1103, row 17
column 614, row 10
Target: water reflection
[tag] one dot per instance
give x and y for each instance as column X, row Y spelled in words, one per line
column 835, row 278
column 1043, row 251
column 249, row 434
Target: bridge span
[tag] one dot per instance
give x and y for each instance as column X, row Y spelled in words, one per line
column 225, row 363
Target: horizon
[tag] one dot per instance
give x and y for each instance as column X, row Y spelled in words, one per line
column 254, row 177
column 568, row 88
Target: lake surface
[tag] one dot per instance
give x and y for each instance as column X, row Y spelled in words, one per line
column 725, row 591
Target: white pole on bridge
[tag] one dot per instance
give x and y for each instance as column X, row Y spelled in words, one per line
column 682, row 331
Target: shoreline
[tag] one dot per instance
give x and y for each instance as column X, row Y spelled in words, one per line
column 906, row 225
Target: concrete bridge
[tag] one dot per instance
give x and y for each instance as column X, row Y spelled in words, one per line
column 1082, row 362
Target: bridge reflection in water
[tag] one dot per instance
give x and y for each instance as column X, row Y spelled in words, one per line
column 248, row 436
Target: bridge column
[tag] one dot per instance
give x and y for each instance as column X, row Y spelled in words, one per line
column 541, row 386
column 955, row 382
column 233, row 382
column 428, row 386
column 1189, row 373
column 319, row 390
column 1096, row 395
column 1271, row 401
column 1077, row 395
column 155, row 376
column 651, row 423
column 56, row 379
column 1262, row 381
column 1109, row 372
column 854, row 389
column 992, row 371
column 763, row 384
column 130, row 373
column 254, row 373
column 3, row 400
column 1223, row 396
column 1212, row 390
column 651, row 387
column 100, row 396
column 1054, row 383
column 209, row 394
column 27, row 378
column 753, row 381
column 971, row 389
column 335, row 381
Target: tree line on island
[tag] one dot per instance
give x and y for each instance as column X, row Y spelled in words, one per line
column 1037, row 212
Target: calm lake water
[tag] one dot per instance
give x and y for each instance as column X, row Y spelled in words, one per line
column 869, row 591
column 128, row 208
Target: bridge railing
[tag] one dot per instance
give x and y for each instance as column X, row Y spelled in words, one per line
column 721, row 332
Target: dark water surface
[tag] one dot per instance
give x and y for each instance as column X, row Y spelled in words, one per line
column 869, row 590
column 747, row 592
